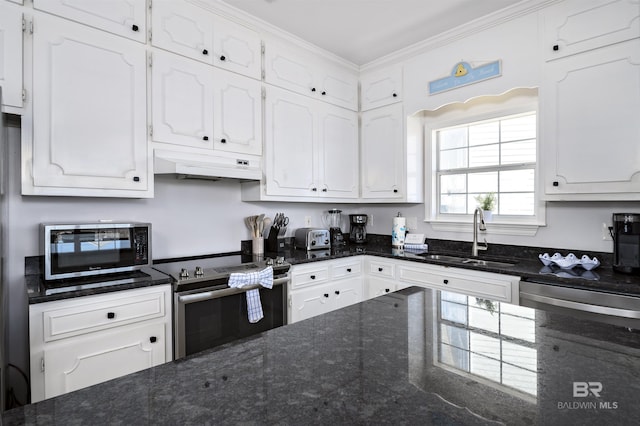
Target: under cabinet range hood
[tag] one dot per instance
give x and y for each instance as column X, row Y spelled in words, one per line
column 207, row 166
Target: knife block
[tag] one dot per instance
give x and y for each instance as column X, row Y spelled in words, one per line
column 276, row 240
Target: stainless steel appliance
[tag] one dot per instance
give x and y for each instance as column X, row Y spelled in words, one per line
column 333, row 219
column 626, row 242
column 208, row 313
column 612, row 308
column 312, row 239
column 358, row 228
column 84, row 249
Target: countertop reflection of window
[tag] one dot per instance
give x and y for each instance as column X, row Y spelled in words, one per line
column 489, row 340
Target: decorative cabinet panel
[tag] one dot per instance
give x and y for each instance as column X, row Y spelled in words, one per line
column 383, row 153
column 127, row 18
column 590, row 108
column 10, row 56
column 380, row 88
column 576, row 26
column 298, row 70
column 83, row 341
column 195, row 105
column 89, row 114
column 191, row 31
column 310, row 148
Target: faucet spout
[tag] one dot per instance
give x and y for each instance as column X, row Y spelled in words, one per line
column 474, row 246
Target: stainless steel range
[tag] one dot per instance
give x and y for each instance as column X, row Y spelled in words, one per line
column 209, row 313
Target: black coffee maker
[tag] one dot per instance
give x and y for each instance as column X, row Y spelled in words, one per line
column 358, row 230
column 626, row 243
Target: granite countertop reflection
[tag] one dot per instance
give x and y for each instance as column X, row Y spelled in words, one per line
column 416, row 356
column 525, row 262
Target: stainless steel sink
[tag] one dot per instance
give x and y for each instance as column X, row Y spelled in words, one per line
column 467, row 260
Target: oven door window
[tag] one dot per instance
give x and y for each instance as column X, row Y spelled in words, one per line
column 217, row 321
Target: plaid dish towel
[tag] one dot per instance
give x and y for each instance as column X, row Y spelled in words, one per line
column 263, row 278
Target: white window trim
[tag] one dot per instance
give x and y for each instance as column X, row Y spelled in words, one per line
column 501, row 224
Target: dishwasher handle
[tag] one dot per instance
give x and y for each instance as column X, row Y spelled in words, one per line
column 587, row 307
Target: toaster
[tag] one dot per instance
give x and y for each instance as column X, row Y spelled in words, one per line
column 312, row 238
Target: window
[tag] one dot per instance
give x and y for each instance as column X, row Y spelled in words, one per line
column 494, row 157
column 485, row 146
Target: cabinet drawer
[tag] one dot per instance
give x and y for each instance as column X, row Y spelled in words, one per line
column 381, row 269
column 103, row 314
column 346, row 270
column 309, row 275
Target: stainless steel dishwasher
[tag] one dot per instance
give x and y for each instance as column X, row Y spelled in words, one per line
column 618, row 309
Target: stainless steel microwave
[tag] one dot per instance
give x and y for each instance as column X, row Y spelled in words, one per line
column 85, row 249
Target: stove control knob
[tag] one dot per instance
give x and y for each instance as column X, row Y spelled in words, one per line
column 279, row 260
column 269, row 261
column 199, row 272
column 184, row 273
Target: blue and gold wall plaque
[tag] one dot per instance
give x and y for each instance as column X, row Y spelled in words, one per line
column 464, row 74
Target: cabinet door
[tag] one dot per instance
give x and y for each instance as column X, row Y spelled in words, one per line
column 127, row 18
column 339, row 171
column 591, row 106
column 89, row 114
column 381, row 88
column 379, row 286
column 383, row 153
column 11, row 56
column 86, row 361
column 290, row 68
column 237, row 48
column 183, row 28
column 337, row 86
column 347, row 292
column 237, row 113
column 576, row 26
column 310, row 302
column 291, row 140
column 182, row 101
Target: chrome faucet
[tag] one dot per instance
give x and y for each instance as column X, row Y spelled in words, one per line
column 481, row 225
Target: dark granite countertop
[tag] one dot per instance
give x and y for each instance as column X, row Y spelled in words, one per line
column 525, row 263
column 416, row 356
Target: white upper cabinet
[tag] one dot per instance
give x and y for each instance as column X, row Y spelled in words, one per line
column 311, row 149
column 10, row 56
column 127, row 18
column 197, row 106
column 299, row 70
column 380, row 88
column 191, row 31
column 591, row 131
column 576, row 26
column 590, row 101
column 89, row 114
column 383, row 153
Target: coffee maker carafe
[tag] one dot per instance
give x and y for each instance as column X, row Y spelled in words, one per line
column 358, row 231
column 626, row 242
column 333, row 219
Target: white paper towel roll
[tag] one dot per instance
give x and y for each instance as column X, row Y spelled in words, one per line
column 398, row 231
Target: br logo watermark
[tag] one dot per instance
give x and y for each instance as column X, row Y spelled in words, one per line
column 588, row 390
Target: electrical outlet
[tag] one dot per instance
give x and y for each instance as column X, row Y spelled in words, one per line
column 606, row 235
column 307, row 221
column 412, row 223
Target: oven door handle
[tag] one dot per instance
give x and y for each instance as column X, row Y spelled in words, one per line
column 216, row 294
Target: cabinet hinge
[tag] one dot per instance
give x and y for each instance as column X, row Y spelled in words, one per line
column 30, row 27
column 290, row 305
column 150, row 2
column 149, row 36
column 24, row 25
column 24, row 94
column 150, row 60
column 263, row 74
column 264, row 93
column 42, row 365
column 150, row 130
column 262, row 47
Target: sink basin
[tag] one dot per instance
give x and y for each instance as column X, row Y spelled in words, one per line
column 468, row 260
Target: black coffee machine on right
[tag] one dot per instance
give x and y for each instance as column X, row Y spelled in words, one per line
column 626, row 242
column 358, row 228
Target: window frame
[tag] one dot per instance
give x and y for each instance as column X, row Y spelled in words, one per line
column 468, row 113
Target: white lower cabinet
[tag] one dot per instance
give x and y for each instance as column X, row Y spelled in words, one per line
column 83, row 341
column 499, row 287
column 321, row 287
column 381, row 276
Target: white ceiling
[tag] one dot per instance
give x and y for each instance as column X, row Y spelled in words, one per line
column 363, row 30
